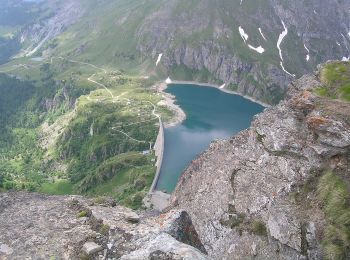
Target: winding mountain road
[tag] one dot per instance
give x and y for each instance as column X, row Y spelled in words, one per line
column 114, row 99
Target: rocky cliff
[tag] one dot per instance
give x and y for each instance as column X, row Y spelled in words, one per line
column 37, row 34
column 281, row 39
column 35, row 226
column 267, row 192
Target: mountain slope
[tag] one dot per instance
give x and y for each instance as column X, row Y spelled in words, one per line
column 71, row 127
column 254, row 48
column 205, row 35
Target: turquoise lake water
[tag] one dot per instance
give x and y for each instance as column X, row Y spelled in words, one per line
column 211, row 114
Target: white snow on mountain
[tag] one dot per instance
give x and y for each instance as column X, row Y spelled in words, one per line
column 280, row 40
column 159, row 58
column 262, row 35
column 243, row 34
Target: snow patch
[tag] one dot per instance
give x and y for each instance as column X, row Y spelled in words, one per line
column 245, row 37
column 258, row 49
column 168, row 81
column 281, row 63
column 222, row 86
column 243, row 34
column 262, row 35
column 159, row 58
column 315, row 12
column 308, row 53
column 345, row 59
column 280, row 40
column 338, row 44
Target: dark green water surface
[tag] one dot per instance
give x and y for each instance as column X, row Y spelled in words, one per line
column 211, row 114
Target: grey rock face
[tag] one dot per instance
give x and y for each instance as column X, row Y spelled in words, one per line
column 37, row 226
column 284, row 227
column 245, row 195
column 41, row 226
column 36, row 35
column 91, row 248
column 204, row 36
column 132, row 217
column 5, row 250
column 165, row 246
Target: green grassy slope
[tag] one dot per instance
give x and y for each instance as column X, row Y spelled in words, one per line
column 336, row 81
column 333, row 186
column 99, row 150
column 107, row 34
column 200, row 40
column 334, row 194
column 129, row 35
column 23, row 110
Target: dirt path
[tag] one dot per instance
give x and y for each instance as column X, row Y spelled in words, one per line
column 90, row 79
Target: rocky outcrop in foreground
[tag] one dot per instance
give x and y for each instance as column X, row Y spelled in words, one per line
column 35, row 226
column 255, row 195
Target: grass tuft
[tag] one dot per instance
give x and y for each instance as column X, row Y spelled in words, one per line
column 259, row 228
column 336, row 79
column 82, row 214
column 335, row 197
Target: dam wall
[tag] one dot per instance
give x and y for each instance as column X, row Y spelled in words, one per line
column 159, row 151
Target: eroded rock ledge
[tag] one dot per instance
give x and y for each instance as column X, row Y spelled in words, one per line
column 254, row 196
column 36, row 226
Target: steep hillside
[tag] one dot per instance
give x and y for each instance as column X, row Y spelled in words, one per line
column 72, row 127
column 24, row 106
column 253, row 48
column 75, row 128
column 280, row 189
column 14, row 15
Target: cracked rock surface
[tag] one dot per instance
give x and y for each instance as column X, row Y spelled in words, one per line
column 36, row 226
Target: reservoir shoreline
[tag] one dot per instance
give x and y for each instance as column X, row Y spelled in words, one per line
column 169, row 99
column 179, row 115
column 200, row 84
column 158, row 197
